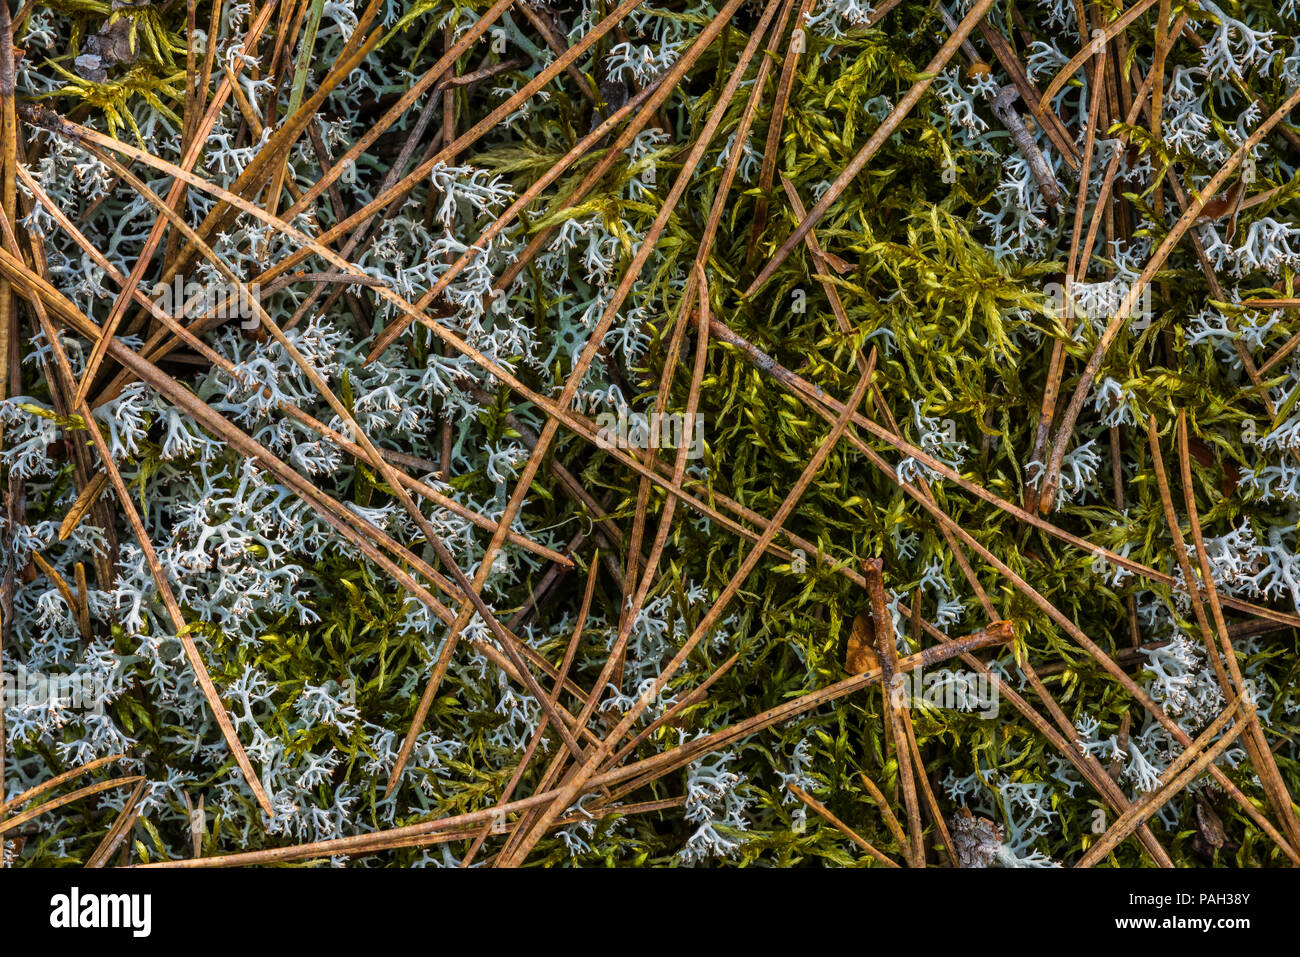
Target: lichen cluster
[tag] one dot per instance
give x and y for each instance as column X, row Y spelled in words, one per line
column 342, row 168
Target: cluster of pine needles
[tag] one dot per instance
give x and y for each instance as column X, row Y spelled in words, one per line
column 501, row 638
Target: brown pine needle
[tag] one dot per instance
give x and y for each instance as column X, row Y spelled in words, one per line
column 840, row 826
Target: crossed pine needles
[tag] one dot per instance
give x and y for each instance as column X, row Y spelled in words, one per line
column 515, row 640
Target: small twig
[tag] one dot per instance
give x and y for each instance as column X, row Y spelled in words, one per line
column 1024, row 141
